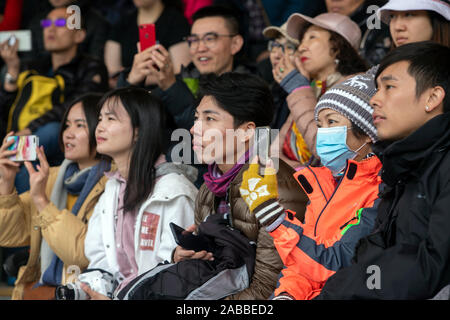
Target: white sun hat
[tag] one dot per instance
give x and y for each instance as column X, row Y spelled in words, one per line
column 441, row 7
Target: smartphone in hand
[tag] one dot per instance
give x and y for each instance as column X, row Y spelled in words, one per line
column 25, row 146
column 261, row 145
column 147, row 36
column 188, row 240
column 23, row 36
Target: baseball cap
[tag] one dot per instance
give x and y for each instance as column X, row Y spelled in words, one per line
column 439, row 6
column 339, row 23
column 273, row 32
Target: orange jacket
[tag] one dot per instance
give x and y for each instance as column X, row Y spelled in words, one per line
column 314, row 250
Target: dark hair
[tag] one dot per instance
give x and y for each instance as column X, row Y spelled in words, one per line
column 148, row 116
column 441, row 28
column 350, row 62
column 91, row 111
column 230, row 16
column 246, row 97
column 429, row 65
column 177, row 4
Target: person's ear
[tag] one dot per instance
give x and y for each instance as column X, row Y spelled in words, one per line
column 80, row 35
column 435, row 100
column 236, row 44
column 249, row 130
column 136, row 135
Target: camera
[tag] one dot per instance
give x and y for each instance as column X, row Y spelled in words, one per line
column 99, row 280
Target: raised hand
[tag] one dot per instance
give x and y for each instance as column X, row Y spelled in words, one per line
column 8, row 168
column 283, row 68
column 162, row 67
column 141, row 67
column 260, row 193
column 38, row 179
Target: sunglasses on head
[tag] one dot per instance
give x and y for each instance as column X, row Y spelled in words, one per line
column 61, row 22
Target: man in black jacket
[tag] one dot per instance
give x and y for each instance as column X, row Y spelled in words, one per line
column 407, row 256
column 213, row 44
column 34, row 94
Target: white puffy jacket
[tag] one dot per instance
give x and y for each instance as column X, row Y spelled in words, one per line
column 172, row 200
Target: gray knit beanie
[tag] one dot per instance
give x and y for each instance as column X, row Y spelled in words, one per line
column 351, row 98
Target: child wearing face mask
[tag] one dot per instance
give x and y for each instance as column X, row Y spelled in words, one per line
column 314, row 249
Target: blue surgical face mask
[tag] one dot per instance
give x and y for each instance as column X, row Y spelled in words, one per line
column 331, row 146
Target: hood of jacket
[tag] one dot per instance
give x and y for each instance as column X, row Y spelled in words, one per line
column 405, row 157
column 188, row 171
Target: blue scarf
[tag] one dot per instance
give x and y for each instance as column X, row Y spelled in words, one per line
column 79, row 183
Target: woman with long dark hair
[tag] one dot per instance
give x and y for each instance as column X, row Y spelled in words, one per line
column 52, row 217
column 129, row 231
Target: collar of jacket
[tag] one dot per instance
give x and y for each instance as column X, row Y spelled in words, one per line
column 406, row 157
column 43, row 64
column 320, row 179
column 190, row 71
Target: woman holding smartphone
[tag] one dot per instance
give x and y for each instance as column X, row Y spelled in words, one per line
column 51, row 218
column 129, row 232
column 314, row 249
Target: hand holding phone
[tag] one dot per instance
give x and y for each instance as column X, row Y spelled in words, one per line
column 25, row 147
column 8, row 168
column 14, row 36
column 188, row 240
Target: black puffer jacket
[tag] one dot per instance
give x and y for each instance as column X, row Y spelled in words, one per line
column 410, row 244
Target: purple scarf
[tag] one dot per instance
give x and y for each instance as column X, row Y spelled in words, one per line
column 217, row 183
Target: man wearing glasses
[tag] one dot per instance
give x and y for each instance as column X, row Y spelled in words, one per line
column 33, row 94
column 213, row 43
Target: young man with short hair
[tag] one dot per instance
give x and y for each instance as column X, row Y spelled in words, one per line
column 234, row 103
column 213, row 43
column 407, row 255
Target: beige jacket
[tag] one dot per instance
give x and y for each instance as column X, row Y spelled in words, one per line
column 22, row 225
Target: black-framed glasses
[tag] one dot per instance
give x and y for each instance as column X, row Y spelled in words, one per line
column 209, row 39
column 60, row 22
column 288, row 47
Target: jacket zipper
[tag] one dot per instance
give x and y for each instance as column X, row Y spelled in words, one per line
column 337, row 187
column 318, row 182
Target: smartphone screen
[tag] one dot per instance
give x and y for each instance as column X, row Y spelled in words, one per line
column 147, row 36
column 261, row 146
column 25, row 146
column 23, row 36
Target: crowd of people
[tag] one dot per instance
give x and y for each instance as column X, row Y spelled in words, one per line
column 355, row 92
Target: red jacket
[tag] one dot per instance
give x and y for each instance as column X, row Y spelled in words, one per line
column 314, row 250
